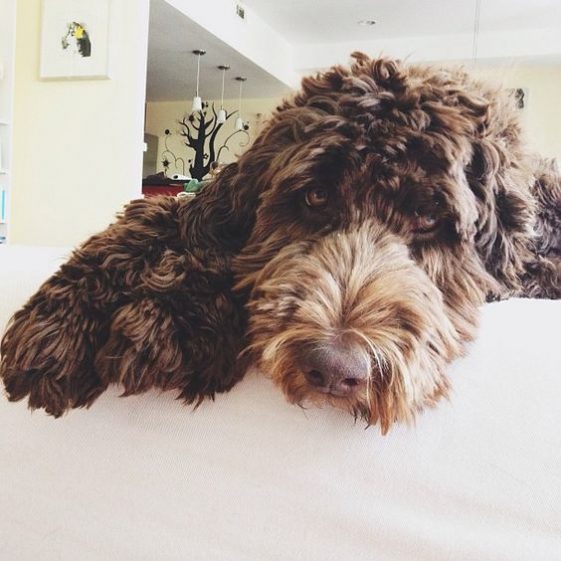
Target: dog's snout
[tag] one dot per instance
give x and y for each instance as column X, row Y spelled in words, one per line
column 336, row 369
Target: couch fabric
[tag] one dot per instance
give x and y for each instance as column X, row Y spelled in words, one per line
column 249, row 477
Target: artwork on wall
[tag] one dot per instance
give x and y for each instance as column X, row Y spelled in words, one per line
column 521, row 97
column 75, row 39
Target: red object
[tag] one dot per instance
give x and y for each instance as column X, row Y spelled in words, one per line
column 155, row 190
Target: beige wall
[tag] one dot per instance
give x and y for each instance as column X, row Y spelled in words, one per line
column 162, row 115
column 542, row 115
column 77, row 143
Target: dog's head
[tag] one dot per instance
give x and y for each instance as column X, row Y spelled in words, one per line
column 373, row 232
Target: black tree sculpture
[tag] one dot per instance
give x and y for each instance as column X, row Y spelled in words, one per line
column 200, row 133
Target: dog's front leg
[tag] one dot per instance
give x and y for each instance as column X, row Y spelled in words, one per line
column 49, row 346
column 84, row 329
column 136, row 305
column 189, row 343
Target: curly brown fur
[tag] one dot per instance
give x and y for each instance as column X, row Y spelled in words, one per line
column 380, row 207
column 134, row 306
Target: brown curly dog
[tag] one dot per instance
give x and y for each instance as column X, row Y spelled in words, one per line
column 345, row 254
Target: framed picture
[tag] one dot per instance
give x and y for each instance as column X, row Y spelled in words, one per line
column 521, row 97
column 75, row 39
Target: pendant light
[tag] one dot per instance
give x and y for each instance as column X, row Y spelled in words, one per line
column 476, row 22
column 221, row 118
column 239, row 121
column 197, row 101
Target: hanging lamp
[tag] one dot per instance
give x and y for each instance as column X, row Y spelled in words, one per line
column 239, row 121
column 476, row 23
column 197, row 101
column 221, row 118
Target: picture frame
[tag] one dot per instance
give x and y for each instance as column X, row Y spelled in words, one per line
column 75, row 37
column 521, row 97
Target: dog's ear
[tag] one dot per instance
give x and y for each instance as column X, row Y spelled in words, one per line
column 223, row 213
column 500, row 176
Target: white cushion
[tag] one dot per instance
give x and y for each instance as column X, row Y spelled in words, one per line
column 249, row 477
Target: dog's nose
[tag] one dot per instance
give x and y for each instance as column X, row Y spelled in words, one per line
column 336, row 369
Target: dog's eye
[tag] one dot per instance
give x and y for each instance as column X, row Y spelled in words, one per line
column 425, row 221
column 316, row 197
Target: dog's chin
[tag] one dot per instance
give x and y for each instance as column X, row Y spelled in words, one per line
column 384, row 400
column 370, row 404
column 356, row 404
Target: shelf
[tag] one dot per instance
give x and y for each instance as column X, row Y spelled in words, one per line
column 7, row 65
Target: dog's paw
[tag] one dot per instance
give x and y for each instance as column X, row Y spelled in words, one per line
column 44, row 391
column 47, row 357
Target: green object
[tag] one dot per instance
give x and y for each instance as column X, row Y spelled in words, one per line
column 193, row 186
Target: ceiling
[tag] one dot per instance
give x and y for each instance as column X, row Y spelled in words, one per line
column 312, row 34
column 172, row 66
column 320, row 21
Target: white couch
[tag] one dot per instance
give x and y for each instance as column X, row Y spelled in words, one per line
column 250, row 477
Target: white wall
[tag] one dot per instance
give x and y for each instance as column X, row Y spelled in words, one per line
column 541, row 116
column 492, row 44
column 253, row 37
column 77, row 143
